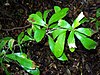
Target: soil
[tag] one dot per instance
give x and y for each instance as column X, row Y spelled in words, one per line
column 13, row 20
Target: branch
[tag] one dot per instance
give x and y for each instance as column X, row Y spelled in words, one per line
column 16, row 28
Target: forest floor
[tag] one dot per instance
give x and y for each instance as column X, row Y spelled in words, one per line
column 13, row 20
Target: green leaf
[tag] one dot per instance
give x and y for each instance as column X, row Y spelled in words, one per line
column 87, row 42
column 10, row 43
column 29, row 31
column 98, row 12
column 51, row 43
column 6, row 38
column 57, row 9
column 26, row 63
column 3, row 52
column 76, row 22
column 20, row 36
column 64, row 24
column 3, row 42
column 97, row 24
column 57, row 16
column 1, row 59
column 35, row 19
column 45, row 14
column 57, row 32
column 59, row 45
column 39, row 14
column 53, row 26
column 26, row 38
column 71, row 41
column 39, row 34
column 35, row 27
column 93, row 19
column 63, row 57
column 23, row 60
column 86, row 31
column 33, row 72
column 84, row 20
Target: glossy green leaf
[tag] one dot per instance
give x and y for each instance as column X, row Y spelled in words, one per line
column 57, row 9
column 84, row 20
column 87, row 42
column 59, row 15
column 59, row 45
column 57, row 32
column 33, row 72
column 98, row 12
column 53, row 26
column 20, row 36
column 10, row 43
column 35, row 19
column 26, row 63
column 86, row 31
column 26, row 38
column 4, row 41
column 76, row 22
column 39, row 34
column 23, row 60
column 29, row 31
column 63, row 57
column 39, row 14
column 51, row 43
column 64, row 24
column 71, row 41
column 45, row 14
column 35, row 27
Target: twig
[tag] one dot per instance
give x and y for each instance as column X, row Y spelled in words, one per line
column 16, row 28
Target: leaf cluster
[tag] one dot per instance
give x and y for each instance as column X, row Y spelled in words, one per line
column 55, row 29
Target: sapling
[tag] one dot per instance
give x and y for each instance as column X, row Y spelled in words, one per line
column 41, row 28
column 58, row 31
column 55, row 29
